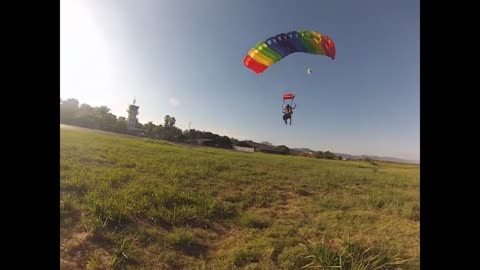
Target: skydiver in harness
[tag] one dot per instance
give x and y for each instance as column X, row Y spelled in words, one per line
column 288, row 109
column 287, row 113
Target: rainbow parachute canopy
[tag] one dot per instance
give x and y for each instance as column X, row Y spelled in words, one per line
column 272, row 50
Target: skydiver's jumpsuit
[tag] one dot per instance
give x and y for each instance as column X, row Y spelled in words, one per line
column 287, row 113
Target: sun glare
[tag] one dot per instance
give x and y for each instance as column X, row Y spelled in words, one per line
column 85, row 68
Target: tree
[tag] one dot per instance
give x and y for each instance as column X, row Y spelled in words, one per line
column 267, row 143
column 101, row 113
column 330, row 155
column 318, row 154
column 71, row 103
column 166, row 122
column 121, row 125
column 109, row 122
column 178, row 135
column 149, row 129
column 283, row 149
column 87, row 116
column 172, row 134
column 68, row 110
column 190, row 134
column 209, row 135
column 226, row 140
column 102, row 110
column 159, row 131
column 169, row 121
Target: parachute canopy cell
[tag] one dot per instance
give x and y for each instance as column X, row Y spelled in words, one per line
column 288, row 96
column 275, row 48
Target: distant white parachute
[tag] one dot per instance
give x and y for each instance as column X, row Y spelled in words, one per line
column 309, row 71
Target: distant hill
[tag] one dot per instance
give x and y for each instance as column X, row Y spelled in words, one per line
column 391, row 159
column 349, row 156
column 354, row 157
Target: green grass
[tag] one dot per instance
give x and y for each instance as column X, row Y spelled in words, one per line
column 353, row 256
column 128, row 203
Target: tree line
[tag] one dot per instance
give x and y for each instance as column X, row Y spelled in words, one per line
column 84, row 115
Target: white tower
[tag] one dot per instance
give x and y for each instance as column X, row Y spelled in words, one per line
column 132, row 116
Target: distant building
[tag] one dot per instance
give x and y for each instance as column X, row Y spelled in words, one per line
column 249, row 146
column 244, row 149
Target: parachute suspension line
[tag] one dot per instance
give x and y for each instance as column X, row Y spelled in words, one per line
column 290, row 96
column 292, row 103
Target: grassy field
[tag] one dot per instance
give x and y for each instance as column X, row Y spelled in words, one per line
column 147, row 204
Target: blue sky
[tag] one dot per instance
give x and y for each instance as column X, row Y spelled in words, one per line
column 185, row 58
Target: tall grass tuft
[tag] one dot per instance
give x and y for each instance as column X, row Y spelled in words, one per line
column 352, row 256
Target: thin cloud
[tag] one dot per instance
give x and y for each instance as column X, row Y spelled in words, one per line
column 174, row 102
